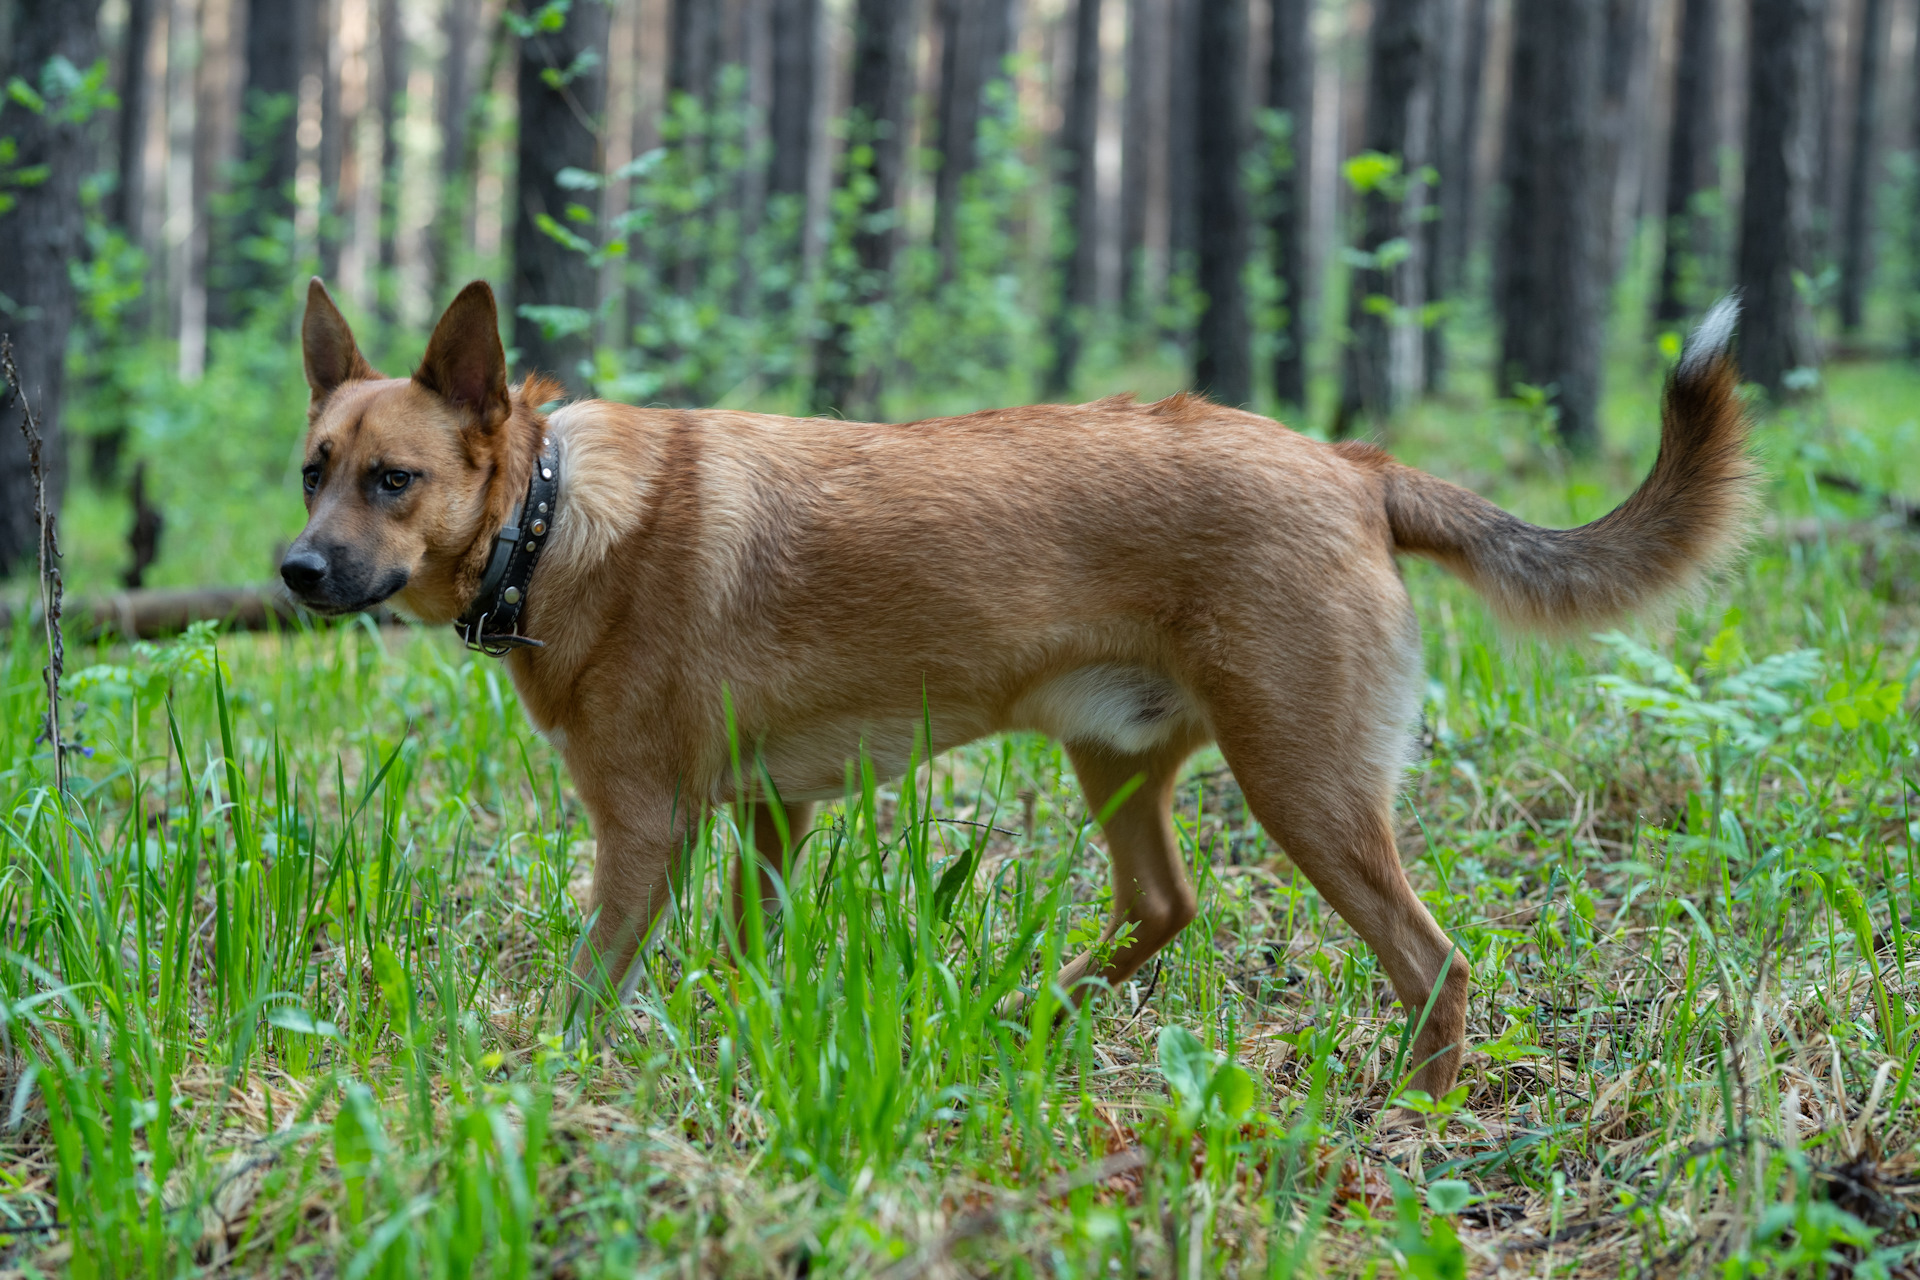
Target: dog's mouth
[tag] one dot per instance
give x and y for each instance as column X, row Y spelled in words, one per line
column 329, row 601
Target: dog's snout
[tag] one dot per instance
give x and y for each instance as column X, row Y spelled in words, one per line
column 303, row 570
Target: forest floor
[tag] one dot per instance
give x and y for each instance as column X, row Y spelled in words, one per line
column 280, row 982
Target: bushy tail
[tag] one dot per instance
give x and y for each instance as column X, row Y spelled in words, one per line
column 1688, row 513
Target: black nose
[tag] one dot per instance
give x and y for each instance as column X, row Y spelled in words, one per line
column 303, row 570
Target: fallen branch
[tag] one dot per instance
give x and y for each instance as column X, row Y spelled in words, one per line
column 154, row 612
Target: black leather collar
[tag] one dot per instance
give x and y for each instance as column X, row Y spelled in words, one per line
column 491, row 624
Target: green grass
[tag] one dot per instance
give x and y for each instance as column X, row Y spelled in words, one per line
column 282, row 973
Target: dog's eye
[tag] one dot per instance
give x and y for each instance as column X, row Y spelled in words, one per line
column 395, row 481
column 310, row 478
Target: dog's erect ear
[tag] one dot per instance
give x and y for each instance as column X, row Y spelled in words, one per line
column 465, row 363
column 327, row 345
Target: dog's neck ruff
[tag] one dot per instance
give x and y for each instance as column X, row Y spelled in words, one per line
column 491, row 624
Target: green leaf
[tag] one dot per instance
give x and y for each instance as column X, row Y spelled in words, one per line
column 1370, row 169
column 1449, row 1195
column 1233, row 1089
column 291, row 1017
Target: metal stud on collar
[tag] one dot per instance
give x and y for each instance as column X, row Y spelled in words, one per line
column 491, row 624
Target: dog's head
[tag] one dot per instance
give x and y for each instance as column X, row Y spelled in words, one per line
column 401, row 473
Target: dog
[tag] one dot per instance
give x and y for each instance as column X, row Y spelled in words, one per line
column 1135, row 580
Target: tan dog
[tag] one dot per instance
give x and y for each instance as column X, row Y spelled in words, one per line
column 1135, row 580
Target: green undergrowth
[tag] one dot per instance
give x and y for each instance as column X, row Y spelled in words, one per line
column 282, row 973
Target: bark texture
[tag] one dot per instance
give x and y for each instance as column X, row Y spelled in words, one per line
column 558, row 130
column 393, row 106
column 1223, row 356
column 882, row 91
column 796, row 59
column 1143, row 154
column 1690, row 159
column 1548, row 294
column 276, row 32
column 1856, row 235
column 975, row 38
column 1384, row 349
column 1290, row 91
column 135, row 112
column 1078, row 269
column 42, row 234
column 1776, row 213
column 1461, row 68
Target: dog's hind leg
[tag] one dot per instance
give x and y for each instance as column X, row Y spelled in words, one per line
column 773, row 850
column 1151, row 891
column 1318, row 774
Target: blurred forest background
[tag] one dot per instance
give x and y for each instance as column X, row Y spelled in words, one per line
column 1325, row 209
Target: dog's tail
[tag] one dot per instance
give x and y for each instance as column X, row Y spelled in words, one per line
column 1688, row 513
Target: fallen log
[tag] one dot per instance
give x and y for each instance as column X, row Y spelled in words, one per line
column 153, row 612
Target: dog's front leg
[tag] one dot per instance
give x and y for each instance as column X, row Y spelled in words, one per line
column 639, row 847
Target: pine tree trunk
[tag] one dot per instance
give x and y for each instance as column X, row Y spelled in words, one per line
column 1077, row 180
column 975, row 38
column 1456, row 120
column 882, row 91
column 1290, row 90
column 1783, row 115
column 1385, row 346
column 135, row 112
column 1691, row 163
column 1143, row 153
column 42, row 234
column 1549, row 294
column 1622, row 51
column 457, row 97
column 1856, row 239
column 276, row 31
column 1183, row 131
column 393, row 105
column 1223, row 356
column 1913, row 224
column 557, row 131
column 796, row 61
column 324, row 20
column 695, row 57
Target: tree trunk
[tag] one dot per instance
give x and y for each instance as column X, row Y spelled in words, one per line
column 695, row 56
column 1078, row 269
column 1548, row 294
column 1385, row 347
column 1143, row 155
column 1913, row 224
column 42, row 232
column 462, row 21
column 558, row 131
column 324, row 16
column 1183, row 131
column 1223, row 356
column 1856, row 240
column 975, row 38
column 1691, row 163
column 393, row 106
column 1783, row 113
column 882, row 91
column 1622, row 51
column 135, row 110
column 1290, row 90
column 796, row 60
column 270, row 109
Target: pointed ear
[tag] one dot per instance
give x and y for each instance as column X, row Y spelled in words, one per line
column 465, row 363
column 327, row 345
